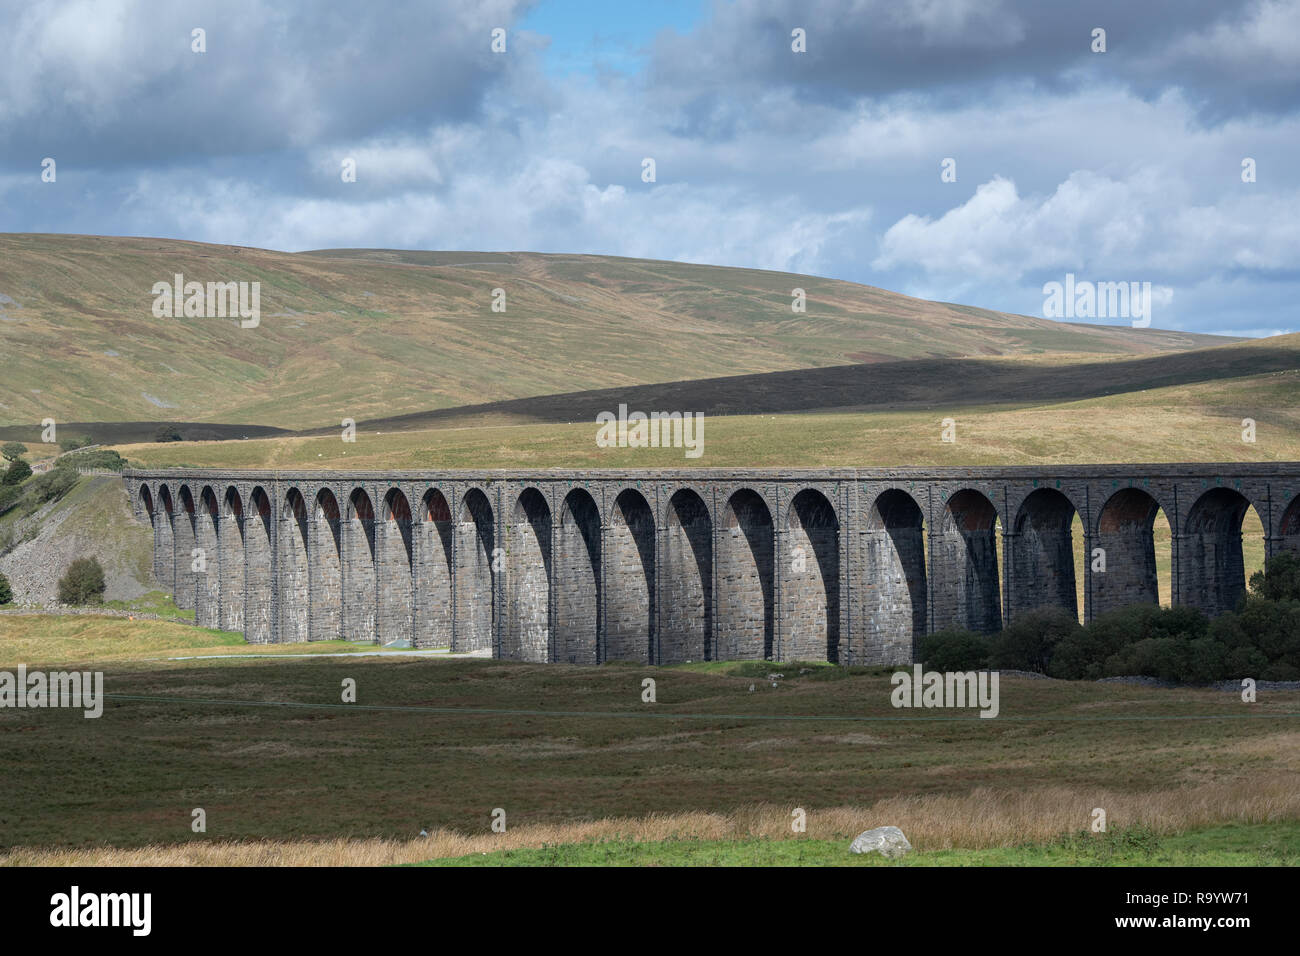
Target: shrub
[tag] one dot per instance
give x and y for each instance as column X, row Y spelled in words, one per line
column 6, row 592
column 52, row 485
column 12, row 450
column 167, row 433
column 83, row 583
column 954, row 650
column 1029, row 641
column 75, row 442
column 95, row 458
column 1280, row 579
column 18, row 472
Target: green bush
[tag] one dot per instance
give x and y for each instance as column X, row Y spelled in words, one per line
column 52, row 485
column 6, row 592
column 18, row 472
column 75, row 442
column 1280, row 579
column 95, row 458
column 83, row 583
column 954, row 650
column 12, row 450
column 1029, row 642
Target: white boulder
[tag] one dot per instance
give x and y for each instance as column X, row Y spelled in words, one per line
column 889, row 842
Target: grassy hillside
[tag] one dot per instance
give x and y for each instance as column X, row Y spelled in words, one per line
column 92, row 520
column 1200, row 421
column 369, row 334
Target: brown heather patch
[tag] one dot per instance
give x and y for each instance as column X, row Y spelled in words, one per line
column 982, row 819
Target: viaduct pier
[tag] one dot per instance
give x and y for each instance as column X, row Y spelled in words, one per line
column 663, row 566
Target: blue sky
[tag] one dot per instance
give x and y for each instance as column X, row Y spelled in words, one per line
column 585, row 37
column 1122, row 165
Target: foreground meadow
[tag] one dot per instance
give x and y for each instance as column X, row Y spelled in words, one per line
column 287, row 772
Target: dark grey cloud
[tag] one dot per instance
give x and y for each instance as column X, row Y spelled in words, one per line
column 116, row 82
column 1227, row 55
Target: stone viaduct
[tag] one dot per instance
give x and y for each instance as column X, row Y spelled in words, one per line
column 844, row 565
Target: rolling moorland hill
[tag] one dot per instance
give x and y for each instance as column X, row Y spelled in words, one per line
column 371, row 334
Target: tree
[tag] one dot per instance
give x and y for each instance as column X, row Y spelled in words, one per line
column 75, row 442
column 167, row 433
column 1280, row 579
column 12, row 450
column 6, row 592
column 19, row 471
column 83, row 583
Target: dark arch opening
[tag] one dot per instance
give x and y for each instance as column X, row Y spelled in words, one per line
column 257, row 569
column 293, row 570
column 434, row 534
column 1125, row 535
column 893, row 602
column 1041, row 560
column 230, row 540
column 964, row 565
column 746, row 552
column 394, row 570
column 207, row 566
column 528, row 573
column 475, row 613
column 578, row 580
column 360, row 606
column 326, row 568
column 187, row 577
column 630, row 580
column 810, row 625
column 1212, row 571
column 686, row 580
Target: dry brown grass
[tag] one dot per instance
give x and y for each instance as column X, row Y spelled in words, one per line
column 982, row 819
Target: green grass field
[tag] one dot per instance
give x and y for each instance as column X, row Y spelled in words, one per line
column 1264, row 844
column 439, row 743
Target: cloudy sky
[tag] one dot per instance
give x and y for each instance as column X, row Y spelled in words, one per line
column 1123, row 165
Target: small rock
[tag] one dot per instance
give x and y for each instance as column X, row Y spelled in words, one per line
column 889, row 842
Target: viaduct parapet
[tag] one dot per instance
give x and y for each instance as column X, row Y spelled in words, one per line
column 662, row 566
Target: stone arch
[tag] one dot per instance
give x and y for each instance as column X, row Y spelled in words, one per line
column 892, row 594
column 1125, row 533
column 433, row 535
column 257, row 568
column 293, row 570
column 1212, row 571
column 144, row 498
column 527, row 635
column 359, row 600
column 686, row 581
column 165, row 552
column 746, row 551
column 964, row 565
column 183, row 532
column 475, row 574
column 393, row 568
column 326, row 568
column 630, row 580
column 810, row 582
column 230, row 539
column 1288, row 528
column 207, row 590
column 1040, row 560
column 578, row 580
